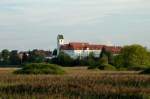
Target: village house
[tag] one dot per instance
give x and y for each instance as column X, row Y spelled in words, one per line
column 81, row 49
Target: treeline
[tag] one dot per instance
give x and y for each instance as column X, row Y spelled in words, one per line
column 133, row 57
column 14, row 58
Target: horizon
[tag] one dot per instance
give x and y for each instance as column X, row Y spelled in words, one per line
column 35, row 24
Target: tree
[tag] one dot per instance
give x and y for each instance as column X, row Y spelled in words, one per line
column 103, row 52
column 91, row 55
column 55, row 52
column 14, row 58
column 64, row 59
column 1, row 58
column 5, row 54
column 135, row 55
column 148, row 53
column 91, row 60
column 24, row 58
column 104, row 56
column 118, row 61
column 104, row 60
column 110, row 57
column 36, row 56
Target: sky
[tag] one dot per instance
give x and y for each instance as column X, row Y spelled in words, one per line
column 35, row 24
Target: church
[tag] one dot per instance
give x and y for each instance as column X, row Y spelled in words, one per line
column 80, row 49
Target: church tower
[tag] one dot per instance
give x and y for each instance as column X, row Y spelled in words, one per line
column 60, row 42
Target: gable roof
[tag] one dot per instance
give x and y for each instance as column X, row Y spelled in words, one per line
column 87, row 46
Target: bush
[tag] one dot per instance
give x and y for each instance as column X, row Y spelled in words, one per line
column 146, row 71
column 122, row 69
column 40, row 68
column 107, row 67
column 92, row 67
column 137, row 68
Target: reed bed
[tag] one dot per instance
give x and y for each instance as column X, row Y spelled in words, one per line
column 76, row 84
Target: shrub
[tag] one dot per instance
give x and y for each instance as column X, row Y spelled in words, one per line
column 122, row 69
column 146, row 71
column 40, row 68
column 137, row 68
column 106, row 67
column 92, row 67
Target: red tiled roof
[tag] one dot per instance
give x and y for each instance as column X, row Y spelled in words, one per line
column 113, row 49
column 87, row 46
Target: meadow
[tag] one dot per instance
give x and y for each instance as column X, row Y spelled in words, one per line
column 77, row 83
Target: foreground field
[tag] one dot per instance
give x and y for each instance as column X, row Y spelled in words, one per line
column 77, row 83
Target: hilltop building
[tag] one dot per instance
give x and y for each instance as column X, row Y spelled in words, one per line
column 81, row 49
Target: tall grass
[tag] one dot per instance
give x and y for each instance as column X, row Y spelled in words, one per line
column 79, row 84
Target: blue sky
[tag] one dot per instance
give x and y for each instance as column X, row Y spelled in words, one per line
column 30, row 24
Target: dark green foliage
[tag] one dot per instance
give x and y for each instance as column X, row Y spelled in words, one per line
column 92, row 67
column 5, row 55
column 55, row 52
column 146, row 71
column 36, row 56
column 110, row 57
column 106, row 67
column 40, row 68
column 106, row 58
column 77, row 61
column 63, row 60
column 118, row 61
column 133, row 57
column 14, row 58
column 103, row 53
column 107, row 54
column 91, row 60
column 24, row 58
column 137, row 68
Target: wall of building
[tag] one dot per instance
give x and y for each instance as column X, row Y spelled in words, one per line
column 81, row 53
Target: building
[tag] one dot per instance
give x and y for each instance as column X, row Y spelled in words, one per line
column 81, row 49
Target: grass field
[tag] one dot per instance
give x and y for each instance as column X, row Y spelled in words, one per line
column 77, row 83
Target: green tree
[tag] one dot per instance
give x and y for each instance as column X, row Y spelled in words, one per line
column 91, row 55
column 14, row 58
column 36, row 56
column 1, row 59
column 149, row 58
column 110, row 57
column 135, row 55
column 5, row 55
column 24, row 58
column 64, row 59
column 103, row 52
column 104, row 56
column 55, row 52
column 91, row 60
column 118, row 61
column 104, row 60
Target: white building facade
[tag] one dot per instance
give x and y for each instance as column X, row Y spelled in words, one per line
column 80, row 49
